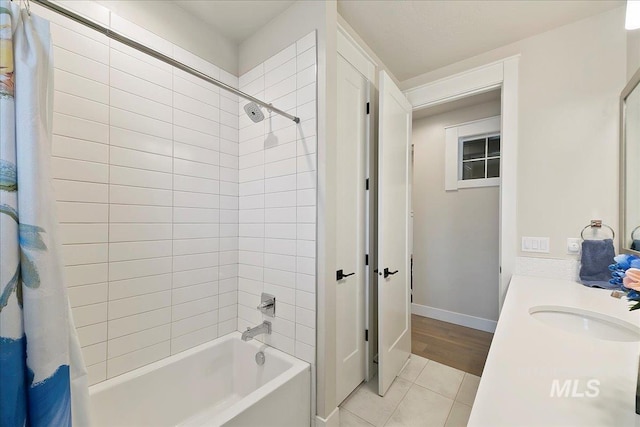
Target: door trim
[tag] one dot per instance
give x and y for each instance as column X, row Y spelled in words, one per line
column 349, row 49
column 501, row 74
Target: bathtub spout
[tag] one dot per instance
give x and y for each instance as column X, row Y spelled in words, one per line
column 263, row 328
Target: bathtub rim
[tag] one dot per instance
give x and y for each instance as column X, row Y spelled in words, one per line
column 297, row 366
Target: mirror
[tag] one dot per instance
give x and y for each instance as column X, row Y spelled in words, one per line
column 630, row 167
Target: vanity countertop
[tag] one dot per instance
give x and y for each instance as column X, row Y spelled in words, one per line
column 527, row 356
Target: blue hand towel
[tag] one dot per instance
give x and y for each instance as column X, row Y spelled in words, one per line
column 597, row 255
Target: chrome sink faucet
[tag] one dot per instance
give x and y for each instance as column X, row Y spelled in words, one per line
column 263, row 328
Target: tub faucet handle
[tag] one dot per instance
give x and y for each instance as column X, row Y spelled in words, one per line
column 265, row 304
column 268, row 305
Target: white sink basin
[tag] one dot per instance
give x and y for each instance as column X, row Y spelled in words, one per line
column 585, row 322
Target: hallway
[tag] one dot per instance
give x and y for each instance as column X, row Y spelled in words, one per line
column 452, row 345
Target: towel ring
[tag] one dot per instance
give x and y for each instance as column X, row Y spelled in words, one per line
column 633, row 232
column 596, row 223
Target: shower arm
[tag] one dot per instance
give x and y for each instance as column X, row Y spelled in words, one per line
column 157, row 55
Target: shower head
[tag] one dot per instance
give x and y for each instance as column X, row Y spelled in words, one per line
column 253, row 111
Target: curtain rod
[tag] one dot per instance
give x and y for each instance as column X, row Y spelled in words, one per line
column 155, row 54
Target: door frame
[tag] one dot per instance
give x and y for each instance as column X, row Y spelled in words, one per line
column 502, row 75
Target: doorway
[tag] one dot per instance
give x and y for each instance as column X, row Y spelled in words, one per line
column 456, row 209
column 503, row 75
column 385, row 270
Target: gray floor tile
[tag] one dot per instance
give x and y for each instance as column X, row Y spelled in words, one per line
column 366, row 404
column 441, row 379
column 414, row 367
column 459, row 415
column 468, row 389
column 347, row 419
column 421, row 408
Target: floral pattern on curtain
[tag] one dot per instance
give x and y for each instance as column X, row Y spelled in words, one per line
column 40, row 359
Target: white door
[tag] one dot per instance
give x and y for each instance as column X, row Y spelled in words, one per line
column 350, row 228
column 394, row 308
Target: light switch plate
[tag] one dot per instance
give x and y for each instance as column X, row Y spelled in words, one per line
column 535, row 244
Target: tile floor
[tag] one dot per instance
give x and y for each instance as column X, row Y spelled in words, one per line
column 426, row 393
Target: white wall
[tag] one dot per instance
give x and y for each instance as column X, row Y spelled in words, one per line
column 569, row 84
column 145, row 162
column 633, row 52
column 452, row 229
column 277, row 235
column 177, row 26
column 294, row 23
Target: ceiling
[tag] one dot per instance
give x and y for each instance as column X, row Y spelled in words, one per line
column 235, row 19
column 415, row 37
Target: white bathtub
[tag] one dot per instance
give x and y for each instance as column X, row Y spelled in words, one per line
column 215, row 384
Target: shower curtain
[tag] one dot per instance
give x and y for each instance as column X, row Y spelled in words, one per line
column 42, row 375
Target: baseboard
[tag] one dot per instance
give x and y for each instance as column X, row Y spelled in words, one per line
column 333, row 420
column 455, row 318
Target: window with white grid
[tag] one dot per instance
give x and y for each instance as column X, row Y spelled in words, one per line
column 479, row 157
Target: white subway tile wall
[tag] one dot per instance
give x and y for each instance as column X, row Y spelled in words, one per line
column 277, row 200
column 145, row 167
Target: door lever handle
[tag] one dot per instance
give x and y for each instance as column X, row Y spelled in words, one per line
column 340, row 275
column 388, row 273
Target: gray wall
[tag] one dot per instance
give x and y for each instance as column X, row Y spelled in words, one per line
column 455, row 233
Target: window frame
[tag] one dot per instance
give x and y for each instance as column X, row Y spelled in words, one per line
column 478, row 182
column 453, row 152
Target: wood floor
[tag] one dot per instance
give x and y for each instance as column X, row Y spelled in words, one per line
column 452, row 345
